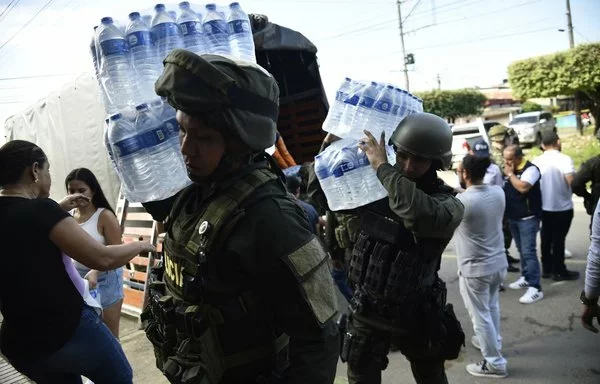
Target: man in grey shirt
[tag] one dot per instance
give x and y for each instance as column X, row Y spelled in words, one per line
column 482, row 263
column 589, row 297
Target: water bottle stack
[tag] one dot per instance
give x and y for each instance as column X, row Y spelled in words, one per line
column 343, row 170
column 141, row 133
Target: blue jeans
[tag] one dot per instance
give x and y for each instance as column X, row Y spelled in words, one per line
column 92, row 352
column 525, row 234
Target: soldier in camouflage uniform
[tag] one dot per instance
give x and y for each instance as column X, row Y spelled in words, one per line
column 501, row 137
column 245, row 294
column 398, row 297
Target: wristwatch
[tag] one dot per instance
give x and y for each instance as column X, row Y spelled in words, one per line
column 586, row 301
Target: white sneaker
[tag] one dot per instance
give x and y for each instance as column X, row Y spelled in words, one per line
column 475, row 342
column 568, row 254
column 519, row 284
column 483, row 369
column 531, row 296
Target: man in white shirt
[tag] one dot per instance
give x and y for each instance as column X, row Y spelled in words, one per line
column 482, row 263
column 557, row 207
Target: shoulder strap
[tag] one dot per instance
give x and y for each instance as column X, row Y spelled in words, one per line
column 218, row 213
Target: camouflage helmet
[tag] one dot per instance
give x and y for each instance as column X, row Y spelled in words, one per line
column 242, row 94
column 425, row 135
column 497, row 132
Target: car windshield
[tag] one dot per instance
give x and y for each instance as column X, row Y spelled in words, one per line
column 524, row 120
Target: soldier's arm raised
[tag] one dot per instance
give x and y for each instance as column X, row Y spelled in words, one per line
column 435, row 215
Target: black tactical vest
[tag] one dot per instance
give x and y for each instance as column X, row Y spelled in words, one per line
column 393, row 272
column 202, row 327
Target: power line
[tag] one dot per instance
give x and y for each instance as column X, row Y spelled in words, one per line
column 583, row 37
column 27, row 23
column 36, row 76
column 425, row 13
column 6, row 11
column 411, row 11
column 444, row 22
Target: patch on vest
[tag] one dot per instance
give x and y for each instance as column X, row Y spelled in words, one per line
column 309, row 265
column 173, row 271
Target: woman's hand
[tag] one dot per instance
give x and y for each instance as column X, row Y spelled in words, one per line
column 92, row 278
column 375, row 151
column 73, row 201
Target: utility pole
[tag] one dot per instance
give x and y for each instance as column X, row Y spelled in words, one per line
column 405, row 70
column 577, row 100
column 439, row 82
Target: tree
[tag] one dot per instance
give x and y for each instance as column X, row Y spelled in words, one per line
column 571, row 72
column 530, row 106
column 453, row 104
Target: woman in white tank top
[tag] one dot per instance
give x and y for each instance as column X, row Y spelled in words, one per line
column 98, row 219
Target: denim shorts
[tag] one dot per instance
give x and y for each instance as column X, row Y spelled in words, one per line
column 92, row 352
column 110, row 285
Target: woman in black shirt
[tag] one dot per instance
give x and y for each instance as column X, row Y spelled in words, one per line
column 48, row 332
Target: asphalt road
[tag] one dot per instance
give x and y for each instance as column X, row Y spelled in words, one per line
column 543, row 342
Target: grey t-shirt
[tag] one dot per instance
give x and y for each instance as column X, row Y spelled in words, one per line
column 478, row 239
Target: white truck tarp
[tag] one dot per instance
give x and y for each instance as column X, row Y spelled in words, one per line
column 68, row 125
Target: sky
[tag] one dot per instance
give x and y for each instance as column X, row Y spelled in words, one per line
column 467, row 42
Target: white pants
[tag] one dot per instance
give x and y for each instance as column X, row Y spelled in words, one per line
column 481, row 297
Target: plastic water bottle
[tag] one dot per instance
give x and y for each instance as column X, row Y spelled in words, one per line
column 145, row 61
column 166, row 156
column 240, row 34
column 381, row 116
column 216, row 31
column 364, row 111
column 147, row 19
column 131, row 157
column 419, row 105
column 350, row 107
column 165, row 32
column 334, row 116
column 191, row 28
column 116, row 73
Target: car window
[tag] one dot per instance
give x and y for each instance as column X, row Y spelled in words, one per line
column 524, row 120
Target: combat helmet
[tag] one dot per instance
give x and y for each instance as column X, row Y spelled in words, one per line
column 243, row 94
column 425, row 135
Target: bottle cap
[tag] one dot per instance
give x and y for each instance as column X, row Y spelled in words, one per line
column 134, row 15
column 106, row 20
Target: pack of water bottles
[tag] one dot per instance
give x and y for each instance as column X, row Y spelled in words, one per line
column 343, row 170
column 377, row 107
column 141, row 135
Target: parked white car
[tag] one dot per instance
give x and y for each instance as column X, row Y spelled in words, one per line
column 465, row 135
column 530, row 126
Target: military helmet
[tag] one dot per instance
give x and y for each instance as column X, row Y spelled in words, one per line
column 244, row 94
column 497, row 132
column 425, row 135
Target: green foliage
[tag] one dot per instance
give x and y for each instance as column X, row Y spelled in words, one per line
column 529, row 106
column 453, row 104
column 562, row 73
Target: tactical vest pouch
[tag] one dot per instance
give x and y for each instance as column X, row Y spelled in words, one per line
column 380, row 227
column 309, row 265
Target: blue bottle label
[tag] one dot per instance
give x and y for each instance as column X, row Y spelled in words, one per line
column 165, row 30
column 154, row 137
column 352, row 100
column 191, row 28
column 239, row 26
column 136, row 39
column 172, row 127
column 216, row 27
column 128, row 146
column 341, row 96
column 366, row 102
column 114, row 47
column 383, row 106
